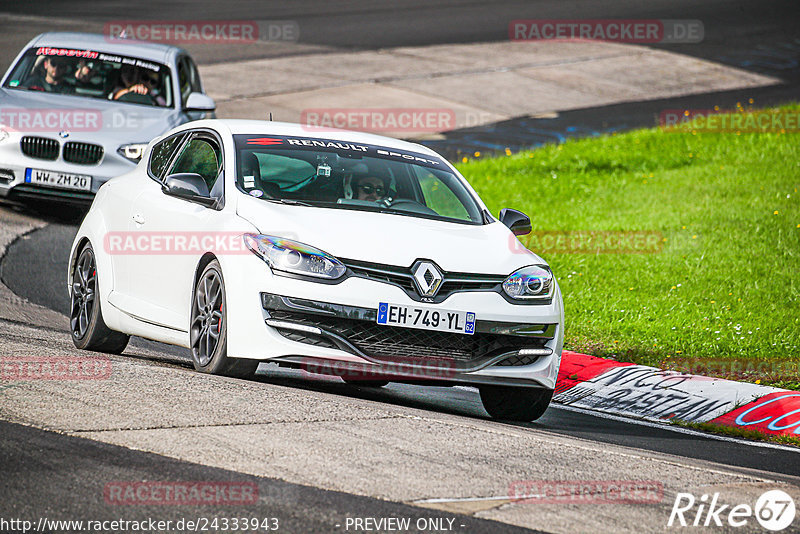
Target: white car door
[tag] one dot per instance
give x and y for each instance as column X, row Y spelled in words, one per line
column 172, row 231
column 119, row 213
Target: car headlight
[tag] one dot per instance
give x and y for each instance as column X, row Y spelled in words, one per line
column 534, row 282
column 133, row 152
column 285, row 255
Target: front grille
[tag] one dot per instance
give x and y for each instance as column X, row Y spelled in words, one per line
column 382, row 273
column 515, row 360
column 401, row 276
column 379, row 341
column 82, row 153
column 39, row 147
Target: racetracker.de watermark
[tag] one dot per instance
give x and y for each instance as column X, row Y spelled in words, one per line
column 67, row 121
column 616, row 30
column 588, row 242
column 721, row 121
column 586, row 491
column 50, row 120
column 400, row 368
column 405, row 120
column 55, row 368
column 202, row 31
column 173, row 243
column 194, row 493
column 736, row 368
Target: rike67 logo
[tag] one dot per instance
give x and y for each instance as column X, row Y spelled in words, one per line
column 774, row 510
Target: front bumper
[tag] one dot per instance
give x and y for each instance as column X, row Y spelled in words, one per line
column 499, row 352
column 13, row 165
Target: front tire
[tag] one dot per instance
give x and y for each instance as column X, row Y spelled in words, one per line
column 515, row 404
column 208, row 332
column 89, row 330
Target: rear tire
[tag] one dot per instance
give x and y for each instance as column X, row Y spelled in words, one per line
column 88, row 329
column 515, row 404
column 208, row 330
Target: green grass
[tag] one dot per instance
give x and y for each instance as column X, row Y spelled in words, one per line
column 725, row 283
column 737, row 432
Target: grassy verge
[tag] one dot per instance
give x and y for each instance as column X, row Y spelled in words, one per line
column 719, row 280
column 739, row 433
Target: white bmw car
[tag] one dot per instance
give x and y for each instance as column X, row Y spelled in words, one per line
column 330, row 251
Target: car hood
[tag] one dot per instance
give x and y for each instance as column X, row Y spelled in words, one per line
column 86, row 119
column 391, row 239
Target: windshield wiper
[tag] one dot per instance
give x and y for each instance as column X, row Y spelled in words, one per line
column 288, row 201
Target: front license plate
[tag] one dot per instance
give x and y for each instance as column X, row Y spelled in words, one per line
column 61, row 180
column 426, row 318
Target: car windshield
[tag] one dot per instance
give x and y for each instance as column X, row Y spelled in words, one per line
column 90, row 74
column 344, row 175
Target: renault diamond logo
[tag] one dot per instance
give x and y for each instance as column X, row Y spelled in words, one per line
column 427, row 278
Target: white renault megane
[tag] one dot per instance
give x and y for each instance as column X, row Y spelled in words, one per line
column 330, row 251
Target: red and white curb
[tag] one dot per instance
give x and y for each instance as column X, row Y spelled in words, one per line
column 653, row 394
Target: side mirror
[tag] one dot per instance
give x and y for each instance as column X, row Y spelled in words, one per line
column 200, row 102
column 188, row 186
column 517, row 222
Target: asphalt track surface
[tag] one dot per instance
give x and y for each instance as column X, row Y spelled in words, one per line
column 55, row 472
column 32, row 456
column 44, row 285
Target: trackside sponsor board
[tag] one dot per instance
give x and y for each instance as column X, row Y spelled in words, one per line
column 576, row 368
column 646, row 392
column 651, row 393
column 776, row 413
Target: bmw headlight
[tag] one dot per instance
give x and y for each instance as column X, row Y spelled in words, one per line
column 133, row 152
column 530, row 283
column 285, row 255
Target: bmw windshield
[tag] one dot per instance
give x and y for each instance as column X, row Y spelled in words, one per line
column 91, row 74
column 345, row 175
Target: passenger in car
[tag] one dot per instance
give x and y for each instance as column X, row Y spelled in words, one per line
column 86, row 78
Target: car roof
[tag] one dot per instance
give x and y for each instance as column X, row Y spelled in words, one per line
column 255, row 127
column 160, row 53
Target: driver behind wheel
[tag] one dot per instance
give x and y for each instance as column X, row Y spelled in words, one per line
column 137, row 85
column 364, row 183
